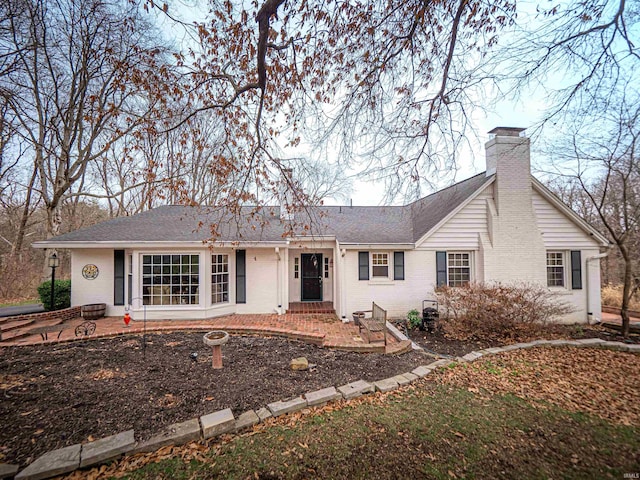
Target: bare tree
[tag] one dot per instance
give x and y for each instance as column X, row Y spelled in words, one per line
column 71, row 90
column 603, row 162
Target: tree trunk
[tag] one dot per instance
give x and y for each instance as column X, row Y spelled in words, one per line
column 626, row 294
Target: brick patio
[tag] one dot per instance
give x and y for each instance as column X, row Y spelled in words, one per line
column 325, row 330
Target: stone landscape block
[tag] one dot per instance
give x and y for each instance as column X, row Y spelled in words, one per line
column 492, row 350
column 217, row 423
column 355, row 389
column 509, row 348
column 441, row 363
column 288, row 406
column 264, row 414
column 56, row 462
column 386, row 385
column 246, row 420
column 540, row 342
column 106, row 448
column 522, row 346
column 402, row 380
column 175, row 434
column 7, row 470
column 422, row 371
column 621, row 346
column 557, row 343
column 574, row 343
column 320, row 397
column 470, row 357
column 410, row 376
column 634, row 347
column 590, row 341
column 300, row 363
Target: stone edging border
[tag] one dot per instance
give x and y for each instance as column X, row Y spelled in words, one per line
column 68, row 459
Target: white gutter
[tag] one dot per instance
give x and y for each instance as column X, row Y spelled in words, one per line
column 589, row 259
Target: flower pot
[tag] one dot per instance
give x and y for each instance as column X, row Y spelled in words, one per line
column 93, row 311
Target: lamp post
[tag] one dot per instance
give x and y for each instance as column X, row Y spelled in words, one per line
column 54, row 262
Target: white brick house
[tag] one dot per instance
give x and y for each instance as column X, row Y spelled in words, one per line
column 500, row 225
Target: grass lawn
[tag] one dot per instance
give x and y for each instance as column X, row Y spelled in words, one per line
column 17, row 303
column 528, row 414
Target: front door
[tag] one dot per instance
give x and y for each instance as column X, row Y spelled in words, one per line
column 311, row 277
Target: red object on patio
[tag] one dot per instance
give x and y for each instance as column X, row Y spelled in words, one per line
column 127, row 318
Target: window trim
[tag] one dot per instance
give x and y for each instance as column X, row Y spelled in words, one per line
column 563, row 257
column 141, row 284
column 387, row 265
column 228, row 281
column 448, row 266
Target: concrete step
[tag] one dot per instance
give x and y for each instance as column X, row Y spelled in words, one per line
column 398, row 348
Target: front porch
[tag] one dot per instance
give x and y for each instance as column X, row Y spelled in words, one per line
column 324, row 330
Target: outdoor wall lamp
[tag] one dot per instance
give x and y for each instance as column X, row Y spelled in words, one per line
column 54, row 262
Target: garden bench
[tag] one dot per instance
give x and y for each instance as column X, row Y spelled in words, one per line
column 374, row 326
column 45, row 330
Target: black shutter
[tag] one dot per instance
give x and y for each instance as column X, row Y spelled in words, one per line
column 363, row 265
column 441, row 269
column 398, row 265
column 118, row 277
column 576, row 270
column 241, row 276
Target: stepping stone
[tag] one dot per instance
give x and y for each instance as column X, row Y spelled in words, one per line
column 355, row 389
column 288, row 406
column 56, row 462
column 422, row 371
column 323, row 396
column 264, row 414
column 386, row 385
column 175, row 434
column 402, row 380
column 7, row 470
column 106, row 448
column 217, row 423
column 246, row 420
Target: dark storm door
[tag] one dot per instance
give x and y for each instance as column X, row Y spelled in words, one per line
column 311, row 277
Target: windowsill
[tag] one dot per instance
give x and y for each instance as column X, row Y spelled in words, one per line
column 559, row 290
column 381, row 281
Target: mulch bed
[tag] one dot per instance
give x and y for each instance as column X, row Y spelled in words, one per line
column 58, row 395
column 438, row 342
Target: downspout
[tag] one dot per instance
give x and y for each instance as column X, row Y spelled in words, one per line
column 594, row 257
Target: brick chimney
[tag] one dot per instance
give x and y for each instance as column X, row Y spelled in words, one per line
column 514, row 250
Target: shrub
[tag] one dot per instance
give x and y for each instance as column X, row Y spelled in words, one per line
column 612, row 297
column 497, row 311
column 414, row 319
column 62, row 294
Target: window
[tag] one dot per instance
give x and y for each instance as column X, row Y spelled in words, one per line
column 458, row 269
column 170, row 279
column 326, row 267
column 296, row 267
column 380, row 265
column 555, row 269
column 219, row 278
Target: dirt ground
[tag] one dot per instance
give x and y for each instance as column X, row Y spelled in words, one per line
column 52, row 396
column 58, row 395
column 437, row 342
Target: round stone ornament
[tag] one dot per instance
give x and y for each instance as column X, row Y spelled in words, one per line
column 90, row 271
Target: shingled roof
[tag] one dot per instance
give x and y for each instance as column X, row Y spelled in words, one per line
column 350, row 225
